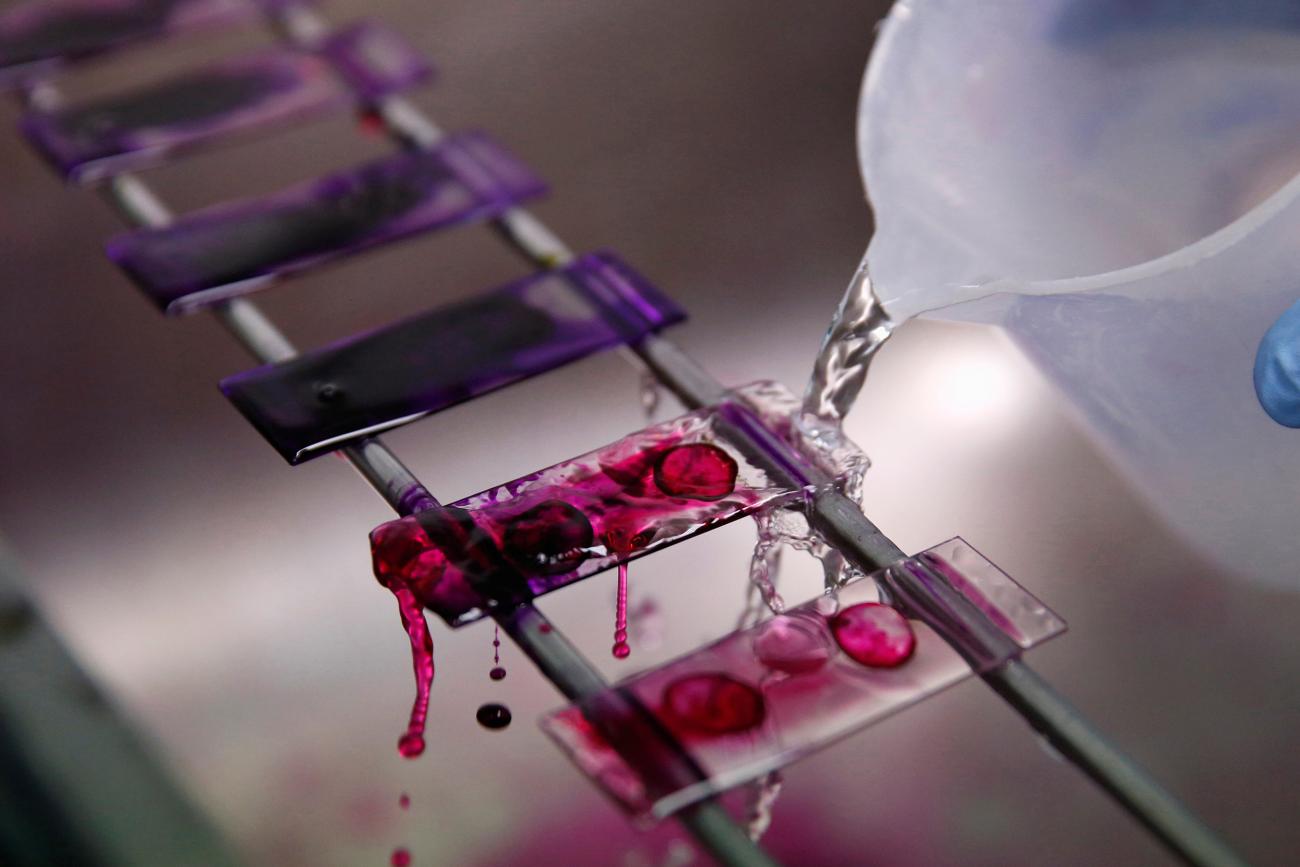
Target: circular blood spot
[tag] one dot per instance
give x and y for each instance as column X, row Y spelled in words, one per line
column 713, row 704
column 493, row 716
column 699, row 471
column 497, row 673
column 792, row 645
column 400, row 858
column 551, row 538
column 874, row 634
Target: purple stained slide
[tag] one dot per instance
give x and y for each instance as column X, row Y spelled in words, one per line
column 321, row 400
column 763, row 697
column 565, row 523
column 225, row 100
column 235, row 248
column 38, row 36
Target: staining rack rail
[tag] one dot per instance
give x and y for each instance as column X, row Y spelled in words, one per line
column 934, row 602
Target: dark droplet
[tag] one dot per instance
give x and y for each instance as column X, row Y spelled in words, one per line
column 551, row 538
column 493, row 716
column 497, row 673
column 697, row 470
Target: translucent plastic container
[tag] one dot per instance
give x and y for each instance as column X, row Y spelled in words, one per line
column 1116, row 183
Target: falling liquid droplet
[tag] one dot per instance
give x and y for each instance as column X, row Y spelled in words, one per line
column 763, row 795
column 764, row 568
column 498, row 671
column 404, row 802
column 621, row 649
column 411, row 743
column 493, row 716
column 401, row 857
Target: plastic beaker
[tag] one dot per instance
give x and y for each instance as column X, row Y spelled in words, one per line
column 1115, row 182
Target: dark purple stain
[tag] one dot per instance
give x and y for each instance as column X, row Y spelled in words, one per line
column 699, row 471
column 449, row 355
column 549, row 539
column 194, row 261
column 40, row 31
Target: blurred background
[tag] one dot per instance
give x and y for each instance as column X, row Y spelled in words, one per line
column 225, row 603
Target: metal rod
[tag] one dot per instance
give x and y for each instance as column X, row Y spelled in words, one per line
column 840, row 519
column 1149, row 802
column 1029, row 695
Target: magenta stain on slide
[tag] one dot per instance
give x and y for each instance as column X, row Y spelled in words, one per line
column 874, row 635
column 713, row 704
column 697, row 470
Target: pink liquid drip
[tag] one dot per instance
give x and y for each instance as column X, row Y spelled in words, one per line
column 404, row 802
column 401, row 857
column 411, row 744
column 621, row 650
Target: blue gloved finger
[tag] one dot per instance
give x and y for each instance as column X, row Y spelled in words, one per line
column 1277, row 369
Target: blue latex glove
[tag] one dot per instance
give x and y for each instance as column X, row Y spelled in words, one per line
column 1277, row 369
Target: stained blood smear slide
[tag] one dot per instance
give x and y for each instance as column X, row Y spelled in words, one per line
column 37, row 36
column 232, row 249
column 763, row 697
column 565, row 523
column 223, row 101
